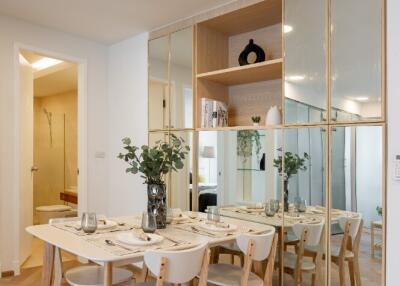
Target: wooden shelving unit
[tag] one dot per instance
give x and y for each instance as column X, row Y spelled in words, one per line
column 268, row 70
column 246, row 90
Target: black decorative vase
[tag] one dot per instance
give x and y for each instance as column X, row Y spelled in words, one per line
column 156, row 203
column 286, row 195
column 251, row 48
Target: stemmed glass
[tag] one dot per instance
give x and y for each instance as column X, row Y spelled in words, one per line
column 89, row 222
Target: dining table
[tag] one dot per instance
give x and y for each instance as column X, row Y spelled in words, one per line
column 180, row 234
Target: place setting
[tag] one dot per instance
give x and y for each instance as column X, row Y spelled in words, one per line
column 90, row 224
column 140, row 239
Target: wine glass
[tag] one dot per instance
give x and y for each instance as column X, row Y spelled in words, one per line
column 89, row 222
column 149, row 224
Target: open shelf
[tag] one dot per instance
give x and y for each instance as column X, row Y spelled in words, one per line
column 253, row 17
column 267, row 70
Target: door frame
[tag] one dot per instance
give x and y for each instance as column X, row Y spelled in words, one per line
column 82, row 136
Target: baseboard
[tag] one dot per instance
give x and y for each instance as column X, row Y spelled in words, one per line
column 16, row 267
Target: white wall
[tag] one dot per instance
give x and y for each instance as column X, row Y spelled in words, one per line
column 127, row 113
column 14, row 31
column 393, row 105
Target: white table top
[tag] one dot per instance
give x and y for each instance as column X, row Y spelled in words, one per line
column 77, row 245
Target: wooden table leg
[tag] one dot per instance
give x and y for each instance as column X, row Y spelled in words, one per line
column 48, row 264
column 108, row 274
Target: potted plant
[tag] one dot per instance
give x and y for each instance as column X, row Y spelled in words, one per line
column 292, row 164
column 256, row 120
column 154, row 163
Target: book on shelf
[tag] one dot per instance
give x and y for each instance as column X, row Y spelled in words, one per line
column 214, row 113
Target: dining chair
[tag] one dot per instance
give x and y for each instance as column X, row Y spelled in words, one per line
column 295, row 263
column 256, row 248
column 87, row 275
column 177, row 266
column 348, row 250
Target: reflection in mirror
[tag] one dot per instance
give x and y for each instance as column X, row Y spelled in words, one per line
column 356, row 65
column 304, row 182
column 181, row 181
column 181, row 99
column 158, row 83
column 236, row 172
column 305, row 57
column 237, row 166
column 356, row 201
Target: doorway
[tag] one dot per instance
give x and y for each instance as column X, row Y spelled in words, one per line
column 49, row 130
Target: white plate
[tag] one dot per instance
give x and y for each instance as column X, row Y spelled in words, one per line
column 101, row 225
column 214, row 227
column 133, row 239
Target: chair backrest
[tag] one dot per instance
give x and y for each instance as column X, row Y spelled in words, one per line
column 314, row 232
column 181, row 265
column 262, row 243
column 354, row 225
column 62, row 220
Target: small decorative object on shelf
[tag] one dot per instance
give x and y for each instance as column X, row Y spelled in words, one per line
column 251, row 48
column 256, row 120
column 273, row 116
column 214, row 113
column 293, row 163
column 154, row 163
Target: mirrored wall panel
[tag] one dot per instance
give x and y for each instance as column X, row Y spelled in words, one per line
column 181, row 181
column 356, row 60
column 181, row 99
column 305, row 61
column 356, row 205
column 303, row 170
column 158, row 83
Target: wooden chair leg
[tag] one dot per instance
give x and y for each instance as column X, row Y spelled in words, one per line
column 351, row 273
column 313, row 279
column 357, row 273
column 108, row 274
column 48, row 264
column 341, row 274
column 143, row 275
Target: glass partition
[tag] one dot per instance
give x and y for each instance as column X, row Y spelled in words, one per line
column 305, row 61
column 356, row 60
column 356, row 205
column 158, row 83
column 181, row 100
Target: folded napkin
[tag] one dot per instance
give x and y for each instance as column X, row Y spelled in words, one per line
column 219, row 224
column 255, row 206
column 142, row 236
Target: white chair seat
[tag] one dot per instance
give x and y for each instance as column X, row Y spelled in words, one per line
column 230, row 275
column 290, row 258
column 94, row 276
column 335, row 251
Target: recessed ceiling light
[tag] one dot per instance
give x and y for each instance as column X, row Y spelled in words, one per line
column 362, row 98
column 295, row 77
column 287, row 29
column 45, row 63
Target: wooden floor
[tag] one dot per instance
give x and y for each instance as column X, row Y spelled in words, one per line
column 370, row 270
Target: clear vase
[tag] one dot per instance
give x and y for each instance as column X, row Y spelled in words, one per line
column 156, row 203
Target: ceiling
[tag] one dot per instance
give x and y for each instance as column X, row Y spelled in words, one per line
column 55, row 80
column 105, row 21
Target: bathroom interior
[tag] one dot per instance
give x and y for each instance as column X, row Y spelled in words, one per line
column 54, row 170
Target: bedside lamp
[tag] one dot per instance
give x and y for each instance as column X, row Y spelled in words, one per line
column 208, row 153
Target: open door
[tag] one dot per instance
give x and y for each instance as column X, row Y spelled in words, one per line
column 26, row 152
